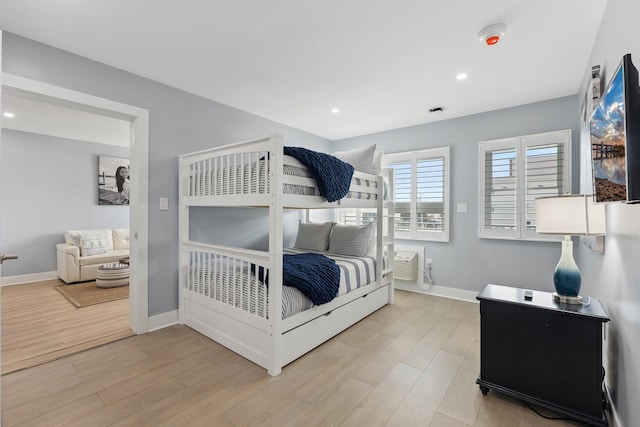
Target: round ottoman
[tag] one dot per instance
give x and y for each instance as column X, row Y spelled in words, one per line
column 112, row 275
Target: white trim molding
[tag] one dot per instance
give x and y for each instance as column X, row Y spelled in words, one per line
column 614, row 419
column 164, row 320
column 439, row 291
column 28, row 278
column 139, row 154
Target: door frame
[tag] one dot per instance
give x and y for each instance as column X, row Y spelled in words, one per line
column 139, row 161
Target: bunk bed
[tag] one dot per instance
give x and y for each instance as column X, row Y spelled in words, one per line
column 228, row 293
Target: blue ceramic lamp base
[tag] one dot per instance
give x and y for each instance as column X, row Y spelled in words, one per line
column 566, row 277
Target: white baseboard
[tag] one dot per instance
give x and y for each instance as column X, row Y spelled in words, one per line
column 163, row 320
column 27, row 278
column 614, row 419
column 441, row 291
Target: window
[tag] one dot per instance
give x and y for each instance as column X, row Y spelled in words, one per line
column 421, row 194
column 356, row 216
column 513, row 172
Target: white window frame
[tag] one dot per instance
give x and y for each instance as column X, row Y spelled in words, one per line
column 413, row 157
column 520, row 144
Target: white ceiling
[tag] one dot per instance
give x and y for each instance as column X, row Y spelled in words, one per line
column 47, row 117
column 384, row 63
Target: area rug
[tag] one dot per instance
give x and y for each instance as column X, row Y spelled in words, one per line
column 87, row 293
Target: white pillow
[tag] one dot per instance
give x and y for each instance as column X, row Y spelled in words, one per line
column 361, row 158
column 313, row 236
column 72, row 237
column 377, row 163
column 92, row 244
column 350, row 240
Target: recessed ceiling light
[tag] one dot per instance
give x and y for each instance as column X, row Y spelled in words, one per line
column 335, row 110
column 9, row 114
column 462, row 76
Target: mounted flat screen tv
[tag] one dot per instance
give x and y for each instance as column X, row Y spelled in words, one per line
column 615, row 138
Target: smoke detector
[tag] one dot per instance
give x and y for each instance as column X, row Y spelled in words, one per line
column 492, row 33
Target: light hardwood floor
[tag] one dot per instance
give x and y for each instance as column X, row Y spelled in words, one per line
column 40, row 325
column 413, row 363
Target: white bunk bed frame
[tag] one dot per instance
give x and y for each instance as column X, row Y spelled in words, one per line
column 265, row 338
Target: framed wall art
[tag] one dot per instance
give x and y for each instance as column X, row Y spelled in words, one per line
column 113, row 181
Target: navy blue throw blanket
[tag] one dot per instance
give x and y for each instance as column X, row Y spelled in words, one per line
column 315, row 275
column 332, row 175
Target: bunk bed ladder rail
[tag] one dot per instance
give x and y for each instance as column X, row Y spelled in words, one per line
column 276, row 214
column 386, row 228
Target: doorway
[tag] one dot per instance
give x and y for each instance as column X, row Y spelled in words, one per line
column 138, row 120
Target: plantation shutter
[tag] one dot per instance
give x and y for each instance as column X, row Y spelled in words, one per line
column 421, row 194
column 545, row 172
column 500, row 210
column 357, row 216
column 513, row 173
column 430, row 183
column 348, row 216
column 403, row 194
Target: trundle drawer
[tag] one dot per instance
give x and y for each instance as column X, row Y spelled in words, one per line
column 305, row 337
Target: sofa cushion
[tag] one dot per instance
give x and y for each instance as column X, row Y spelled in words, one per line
column 120, row 238
column 93, row 244
column 111, row 256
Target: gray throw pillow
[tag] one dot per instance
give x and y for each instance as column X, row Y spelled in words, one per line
column 352, row 240
column 313, row 237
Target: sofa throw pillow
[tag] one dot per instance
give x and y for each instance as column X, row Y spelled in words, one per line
column 352, row 240
column 75, row 240
column 92, row 244
column 361, row 158
column 313, row 236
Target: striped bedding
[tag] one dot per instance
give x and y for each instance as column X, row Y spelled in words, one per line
column 204, row 182
column 241, row 288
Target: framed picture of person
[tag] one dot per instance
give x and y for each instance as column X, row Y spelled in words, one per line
column 113, row 181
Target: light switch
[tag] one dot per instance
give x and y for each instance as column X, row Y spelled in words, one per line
column 462, row 207
column 164, row 203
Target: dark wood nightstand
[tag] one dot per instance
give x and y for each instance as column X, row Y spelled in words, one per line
column 543, row 352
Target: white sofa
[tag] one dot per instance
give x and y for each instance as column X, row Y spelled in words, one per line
column 86, row 250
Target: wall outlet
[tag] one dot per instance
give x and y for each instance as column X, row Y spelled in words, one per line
column 427, row 261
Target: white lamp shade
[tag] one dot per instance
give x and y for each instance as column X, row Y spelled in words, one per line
column 569, row 215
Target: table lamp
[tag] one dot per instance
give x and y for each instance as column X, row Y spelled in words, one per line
column 573, row 214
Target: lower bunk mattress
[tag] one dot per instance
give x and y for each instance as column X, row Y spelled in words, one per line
column 238, row 286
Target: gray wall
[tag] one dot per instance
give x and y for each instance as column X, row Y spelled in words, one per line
column 615, row 276
column 467, row 262
column 250, row 235
column 49, row 186
column 179, row 123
